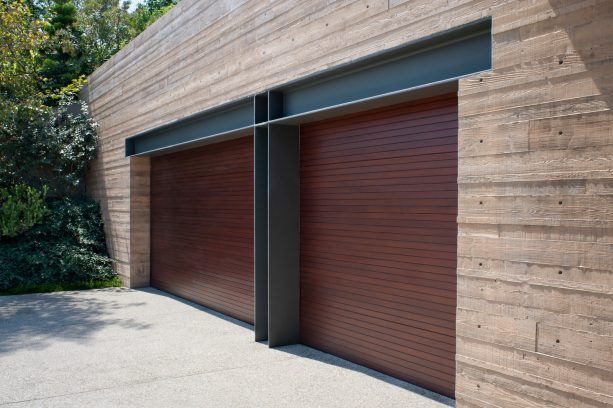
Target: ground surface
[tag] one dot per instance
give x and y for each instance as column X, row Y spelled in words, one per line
column 126, row 348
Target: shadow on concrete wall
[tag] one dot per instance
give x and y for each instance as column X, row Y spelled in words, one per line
column 34, row 322
column 589, row 31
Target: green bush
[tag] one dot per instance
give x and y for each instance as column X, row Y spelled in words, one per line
column 21, row 207
column 68, row 246
column 44, row 146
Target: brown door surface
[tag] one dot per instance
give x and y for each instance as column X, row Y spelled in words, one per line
column 378, row 239
column 202, row 226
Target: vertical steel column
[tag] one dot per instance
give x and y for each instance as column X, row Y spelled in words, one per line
column 283, row 234
column 260, row 217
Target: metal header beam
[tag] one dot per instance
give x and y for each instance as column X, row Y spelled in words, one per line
column 423, row 67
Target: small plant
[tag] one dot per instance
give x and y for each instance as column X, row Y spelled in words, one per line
column 21, row 207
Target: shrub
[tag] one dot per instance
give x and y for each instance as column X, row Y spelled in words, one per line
column 68, row 246
column 21, row 207
column 50, row 146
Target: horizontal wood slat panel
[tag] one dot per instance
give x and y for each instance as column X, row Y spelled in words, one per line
column 202, row 226
column 379, row 239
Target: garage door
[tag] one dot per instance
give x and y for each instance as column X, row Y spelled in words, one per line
column 202, row 226
column 378, row 239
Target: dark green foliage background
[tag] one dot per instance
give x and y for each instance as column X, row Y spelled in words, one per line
column 68, row 246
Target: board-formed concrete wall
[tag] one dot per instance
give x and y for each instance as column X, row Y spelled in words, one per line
column 535, row 244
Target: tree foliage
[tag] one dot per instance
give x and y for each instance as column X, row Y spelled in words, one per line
column 62, row 62
column 21, row 38
column 46, row 146
column 105, row 29
column 147, row 13
column 21, row 207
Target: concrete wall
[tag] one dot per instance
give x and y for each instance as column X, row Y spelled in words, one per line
column 535, row 244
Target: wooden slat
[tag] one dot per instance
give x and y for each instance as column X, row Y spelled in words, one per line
column 202, row 226
column 373, row 294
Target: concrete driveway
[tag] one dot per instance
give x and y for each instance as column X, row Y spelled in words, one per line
column 144, row 348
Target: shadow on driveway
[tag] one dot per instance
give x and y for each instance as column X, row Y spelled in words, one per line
column 33, row 322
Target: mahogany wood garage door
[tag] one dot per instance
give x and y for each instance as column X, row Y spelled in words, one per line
column 378, row 239
column 202, row 226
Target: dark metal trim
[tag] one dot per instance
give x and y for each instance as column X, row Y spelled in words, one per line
column 379, row 101
column 450, row 56
column 392, row 74
column 226, row 120
column 260, row 231
column 283, row 235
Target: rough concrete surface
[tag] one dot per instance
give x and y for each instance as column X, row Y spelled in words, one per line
column 145, row 348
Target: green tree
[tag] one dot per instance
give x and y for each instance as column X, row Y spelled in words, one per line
column 21, row 38
column 147, row 13
column 62, row 54
column 105, row 29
